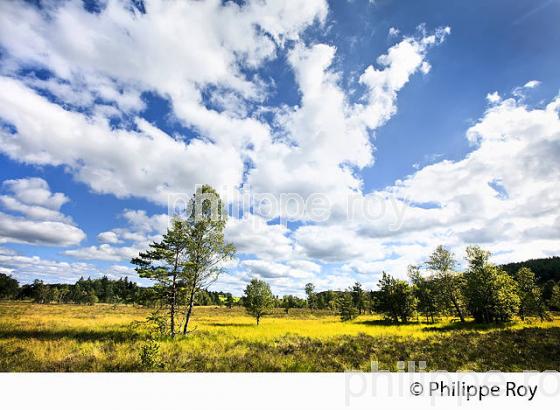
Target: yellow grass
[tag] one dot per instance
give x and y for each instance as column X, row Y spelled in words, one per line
column 224, row 322
column 102, row 337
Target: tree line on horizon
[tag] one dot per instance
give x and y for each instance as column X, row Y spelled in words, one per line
column 192, row 254
column 484, row 291
column 103, row 290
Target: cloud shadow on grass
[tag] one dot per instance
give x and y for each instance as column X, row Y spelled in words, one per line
column 78, row 335
column 222, row 324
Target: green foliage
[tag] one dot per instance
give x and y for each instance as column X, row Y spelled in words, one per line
column 547, row 291
column 425, row 290
column 258, row 299
column 530, row 295
column 311, row 295
column 487, row 295
column 202, row 299
column 441, row 260
column 158, row 325
column 83, row 291
column 492, row 295
column 150, row 358
column 545, row 269
column 372, row 300
column 395, row 299
column 555, row 297
column 41, row 292
column 346, row 309
column 289, row 301
column 165, row 263
column 206, row 249
column 359, row 298
column 229, row 300
column 507, row 301
column 327, row 299
column 190, row 257
column 448, row 283
column 9, row 287
column 91, row 298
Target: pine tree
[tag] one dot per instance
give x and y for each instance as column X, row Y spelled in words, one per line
column 229, row 300
column 359, row 297
column 164, row 262
column 395, row 299
column 346, row 308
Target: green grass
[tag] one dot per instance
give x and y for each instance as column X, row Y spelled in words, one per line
column 104, row 338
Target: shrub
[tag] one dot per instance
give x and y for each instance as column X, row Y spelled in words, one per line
column 149, row 355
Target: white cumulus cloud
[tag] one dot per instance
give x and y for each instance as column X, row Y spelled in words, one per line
column 35, row 217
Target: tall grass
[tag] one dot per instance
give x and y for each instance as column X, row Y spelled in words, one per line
column 104, row 338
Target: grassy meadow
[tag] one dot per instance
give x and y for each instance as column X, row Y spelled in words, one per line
column 77, row 338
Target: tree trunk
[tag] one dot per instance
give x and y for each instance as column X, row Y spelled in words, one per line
column 458, row 309
column 172, row 314
column 258, row 319
column 173, row 303
column 174, row 293
column 189, row 312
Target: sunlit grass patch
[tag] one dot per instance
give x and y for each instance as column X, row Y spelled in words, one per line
column 103, row 338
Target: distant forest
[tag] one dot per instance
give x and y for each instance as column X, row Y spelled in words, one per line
column 105, row 290
column 91, row 291
column 545, row 269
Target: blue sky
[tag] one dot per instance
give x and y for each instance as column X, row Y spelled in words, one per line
column 444, row 114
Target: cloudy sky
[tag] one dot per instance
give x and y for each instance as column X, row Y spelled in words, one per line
column 413, row 123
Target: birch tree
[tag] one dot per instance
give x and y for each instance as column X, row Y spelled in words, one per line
column 450, row 283
column 206, row 250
